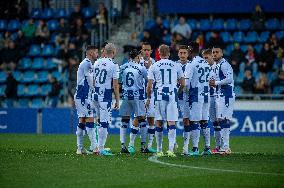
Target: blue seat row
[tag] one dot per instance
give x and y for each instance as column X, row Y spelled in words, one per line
column 37, row 63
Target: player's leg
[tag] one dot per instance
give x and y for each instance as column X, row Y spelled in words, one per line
column 184, row 107
column 195, row 117
column 159, row 116
column 124, row 111
column 205, row 129
column 151, row 125
column 105, row 117
column 216, row 126
column 172, row 118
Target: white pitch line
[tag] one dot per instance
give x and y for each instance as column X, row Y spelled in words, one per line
column 154, row 159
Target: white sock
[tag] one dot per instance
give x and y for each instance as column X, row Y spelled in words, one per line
column 186, row 137
column 92, row 136
column 195, row 134
column 151, row 135
column 206, row 134
column 217, row 139
column 123, row 130
column 80, row 137
column 133, row 134
column 172, row 137
column 102, row 137
column 159, row 139
column 226, row 138
column 143, row 132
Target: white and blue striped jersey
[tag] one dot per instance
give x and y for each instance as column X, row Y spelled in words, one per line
column 132, row 77
column 182, row 95
column 84, row 81
column 165, row 73
column 213, row 76
column 142, row 61
column 105, row 71
column 197, row 80
column 225, row 80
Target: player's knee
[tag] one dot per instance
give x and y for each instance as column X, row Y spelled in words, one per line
column 203, row 124
column 104, row 124
column 90, row 124
column 82, row 126
column 142, row 121
column 125, row 121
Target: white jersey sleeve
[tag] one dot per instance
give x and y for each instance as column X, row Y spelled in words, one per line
column 225, row 74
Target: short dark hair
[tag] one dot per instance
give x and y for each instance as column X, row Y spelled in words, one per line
column 145, row 43
column 193, row 47
column 91, row 47
column 217, row 46
column 184, row 47
column 104, row 44
column 133, row 53
column 206, row 51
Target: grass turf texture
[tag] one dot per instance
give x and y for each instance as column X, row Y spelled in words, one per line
column 50, row 161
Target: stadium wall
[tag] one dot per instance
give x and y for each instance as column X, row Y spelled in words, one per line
column 250, row 119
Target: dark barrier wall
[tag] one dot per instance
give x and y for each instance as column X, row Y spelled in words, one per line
column 218, row 6
column 64, row 121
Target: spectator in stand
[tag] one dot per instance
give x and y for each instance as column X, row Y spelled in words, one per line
column 94, row 26
column 237, row 57
column 10, row 57
column 63, row 31
column 29, row 30
column 4, row 42
column 73, row 63
column 280, row 74
column 258, row 19
column 102, row 16
column 11, row 89
column 182, row 28
column 22, row 43
column 55, row 92
column 267, row 58
column 215, row 40
column 200, row 40
column 273, row 42
column 248, row 65
column 158, row 31
column 73, row 52
column 251, row 54
column 248, row 83
column 22, row 9
column 147, row 37
column 133, row 42
column 42, row 32
column 78, row 30
column 262, row 84
column 75, row 15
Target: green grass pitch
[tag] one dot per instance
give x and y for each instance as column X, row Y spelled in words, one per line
column 50, row 161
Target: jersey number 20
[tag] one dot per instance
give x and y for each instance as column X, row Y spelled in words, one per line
column 101, row 75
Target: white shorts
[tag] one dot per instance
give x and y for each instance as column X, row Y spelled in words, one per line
column 103, row 111
column 183, row 108
column 223, row 110
column 150, row 112
column 85, row 109
column 166, row 110
column 132, row 106
column 212, row 109
column 199, row 111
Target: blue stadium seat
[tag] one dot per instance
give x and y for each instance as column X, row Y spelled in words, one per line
column 242, row 67
column 256, row 75
column 37, row 103
column 48, row 50
column 229, row 49
column 17, row 75
column 192, row 23
column 61, row 13
column 166, row 23
column 245, row 24
column 279, row 34
column 231, row 24
column 207, row 36
column 42, row 77
column 226, row 36
column 88, row 12
column 50, row 64
column 251, row 37
column 218, row 24
column 33, row 90
column 244, row 47
column 14, row 36
column 263, row 37
column 36, row 13
column 240, row 78
column 52, row 25
column 2, row 76
column 23, row 102
column 25, row 63
column 282, row 23
column 167, row 39
column 238, row 36
column 149, row 24
column 34, row 50
column 2, row 90
column 238, row 90
column 21, row 90
column 271, row 76
column 258, row 47
column 38, row 63
column 254, row 68
column 278, row 89
column 47, row 13
column 45, row 89
column 14, row 25
column 57, row 75
column 3, row 25
column 272, row 24
column 28, row 76
column 205, row 24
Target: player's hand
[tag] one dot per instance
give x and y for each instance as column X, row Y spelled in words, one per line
column 147, row 105
column 116, row 105
column 212, row 83
column 148, row 63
